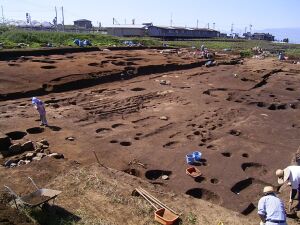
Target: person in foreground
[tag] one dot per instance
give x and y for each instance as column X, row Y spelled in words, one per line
column 291, row 175
column 40, row 107
column 271, row 209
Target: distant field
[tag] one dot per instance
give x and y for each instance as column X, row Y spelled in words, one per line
column 10, row 38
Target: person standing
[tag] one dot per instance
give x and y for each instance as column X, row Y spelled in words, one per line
column 271, row 209
column 291, row 175
column 40, row 107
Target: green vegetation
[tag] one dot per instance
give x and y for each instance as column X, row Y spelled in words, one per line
column 191, row 218
column 293, row 53
column 246, row 53
column 11, row 37
column 35, row 39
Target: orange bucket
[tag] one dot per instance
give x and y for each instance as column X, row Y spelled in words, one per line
column 165, row 217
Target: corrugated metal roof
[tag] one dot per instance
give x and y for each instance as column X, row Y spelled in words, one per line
column 184, row 28
column 126, row 26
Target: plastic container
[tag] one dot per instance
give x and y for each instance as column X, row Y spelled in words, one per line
column 197, row 156
column 193, row 172
column 190, row 159
column 165, row 217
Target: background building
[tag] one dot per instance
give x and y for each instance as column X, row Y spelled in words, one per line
column 126, row 30
column 181, row 32
column 83, row 23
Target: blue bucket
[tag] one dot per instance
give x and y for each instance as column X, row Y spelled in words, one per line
column 190, row 159
column 197, row 156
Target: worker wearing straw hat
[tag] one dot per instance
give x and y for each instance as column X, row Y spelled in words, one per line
column 271, row 209
column 291, row 175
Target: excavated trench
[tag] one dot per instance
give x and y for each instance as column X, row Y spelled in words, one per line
column 81, row 81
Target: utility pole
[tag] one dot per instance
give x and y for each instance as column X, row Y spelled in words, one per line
column 171, row 22
column 214, row 25
column 197, row 23
column 250, row 28
column 55, row 19
column 231, row 30
column 63, row 18
column 207, row 25
column 245, row 30
column 2, row 14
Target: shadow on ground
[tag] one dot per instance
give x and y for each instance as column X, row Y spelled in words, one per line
column 53, row 215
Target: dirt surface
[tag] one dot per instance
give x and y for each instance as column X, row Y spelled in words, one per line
column 242, row 118
column 9, row 216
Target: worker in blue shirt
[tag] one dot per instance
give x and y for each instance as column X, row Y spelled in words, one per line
column 271, row 209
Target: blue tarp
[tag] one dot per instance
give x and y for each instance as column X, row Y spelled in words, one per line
column 82, row 43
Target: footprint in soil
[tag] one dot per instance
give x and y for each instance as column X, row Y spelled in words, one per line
column 214, row 181
column 13, row 64
column 103, row 130
column 48, row 67
column 171, row 144
column 137, row 89
column 94, row 64
column 235, row 132
column 125, row 143
column 226, row 154
column 245, row 155
column 117, row 125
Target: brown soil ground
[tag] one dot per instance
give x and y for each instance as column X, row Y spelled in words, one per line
column 242, row 118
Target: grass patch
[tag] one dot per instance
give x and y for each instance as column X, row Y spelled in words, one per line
column 293, row 53
column 36, row 39
column 246, row 53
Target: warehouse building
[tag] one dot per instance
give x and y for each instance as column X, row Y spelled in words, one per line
column 126, row 30
column 181, row 32
column 160, row 31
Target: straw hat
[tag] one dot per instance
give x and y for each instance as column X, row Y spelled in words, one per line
column 268, row 189
column 283, row 175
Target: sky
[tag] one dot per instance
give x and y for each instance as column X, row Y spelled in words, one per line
column 262, row 14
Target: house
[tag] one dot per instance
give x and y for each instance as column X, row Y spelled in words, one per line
column 129, row 30
column 83, row 23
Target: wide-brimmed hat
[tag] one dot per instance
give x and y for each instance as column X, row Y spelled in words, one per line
column 268, row 189
column 283, row 175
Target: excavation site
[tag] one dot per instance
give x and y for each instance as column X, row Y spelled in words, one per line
column 134, row 117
